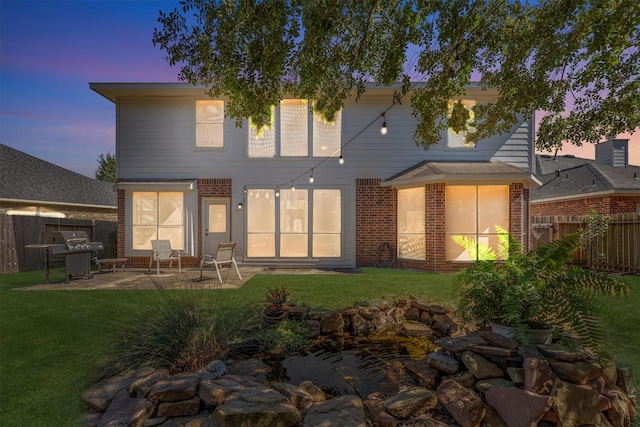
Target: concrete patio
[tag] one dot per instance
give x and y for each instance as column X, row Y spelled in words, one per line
column 140, row 278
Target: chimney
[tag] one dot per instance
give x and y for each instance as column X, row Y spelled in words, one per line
column 613, row 152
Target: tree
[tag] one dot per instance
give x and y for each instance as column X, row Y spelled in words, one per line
column 577, row 61
column 107, row 169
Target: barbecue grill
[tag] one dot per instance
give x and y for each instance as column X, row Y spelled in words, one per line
column 74, row 249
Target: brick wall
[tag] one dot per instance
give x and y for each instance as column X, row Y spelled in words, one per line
column 208, row 188
column 611, row 204
column 376, row 220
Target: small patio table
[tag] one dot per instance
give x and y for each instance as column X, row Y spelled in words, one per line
column 111, row 263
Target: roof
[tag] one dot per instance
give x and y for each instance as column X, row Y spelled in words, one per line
column 462, row 172
column 27, row 178
column 574, row 177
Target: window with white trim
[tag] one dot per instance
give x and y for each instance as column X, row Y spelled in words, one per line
column 476, row 213
column 288, row 135
column 411, row 223
column 459, row 139
column 210, row 123
column 298, row 223
column 157, row 216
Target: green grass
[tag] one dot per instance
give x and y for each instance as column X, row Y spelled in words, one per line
column 52, row 342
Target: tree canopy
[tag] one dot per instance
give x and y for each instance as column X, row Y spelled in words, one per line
column 107, row 168
column 576, row 61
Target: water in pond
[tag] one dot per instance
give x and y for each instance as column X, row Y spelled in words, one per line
column 360, row 367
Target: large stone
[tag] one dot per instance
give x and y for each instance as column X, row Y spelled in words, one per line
column 464, row 378
column 343, row 411
column 516, row 375
column 575, row 405
column 576, row 372
column 416, row 329
column 331, row 323
column 176, row 388
column 423, row 373
column 489, row 350
column 300, row 398
column 538, row 376
column 411, row 402
column 379, row 417
column 179, row 409
column 518, row 408
column 360, row 325
column 443, row 324
column 458, row 345
column 492, row 418
column 624, row 378
column 256, row 407
column 563, row 354
column 480, row 367
column 253, row 367
column 99, row 396
column 443, row 362
column 464, row 405
column 142, row 386
column 413, row 314
column 313, row 390
column 127, row 411
column 215, row 392
column 620, row 412
column 498, row 340
column 488, row 383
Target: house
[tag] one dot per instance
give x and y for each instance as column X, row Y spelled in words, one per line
column 576, row 186
column 34, row 187
column 306, row 193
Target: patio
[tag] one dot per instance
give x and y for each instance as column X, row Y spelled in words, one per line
column 140, row 278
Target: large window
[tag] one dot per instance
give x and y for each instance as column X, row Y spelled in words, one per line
column 290, row 138
column 157, row 215
column 210, row 124
column 476, row 215
column 411, row 223
column 459, row 139
column 298, row 223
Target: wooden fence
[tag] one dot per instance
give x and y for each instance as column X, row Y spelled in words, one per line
column 618, row 250
column 16, row 232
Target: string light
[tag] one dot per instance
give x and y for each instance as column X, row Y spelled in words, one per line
column 341, row 160
column 383, row 129
column 277, row 191
column 293, row 187
column 311, row 177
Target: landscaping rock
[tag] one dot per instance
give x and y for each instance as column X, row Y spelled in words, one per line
column 215, row 392
column 301, row 399
column 443, row 324
column 411, row 402
column 464, row 378
column 562, row 354
column 575, row 405
column 216, row 369
column 343, row 411
column 620, row 412
column 577, row 372
column 176, row 388
column 417, row 329
column 313, row 390
column 458, row 345
column 423, row 373
column 142, row 386
column 492, row 418
column 99, row 397
column 127, row 411
column 443, row 362
column 256, row 407
column 254, row 368
column 498, row 340
column 313, row 328
column 480, row 367
column 360, row 326
column 516, row 375
column 464, row 405
column 518, row 408
column 179, row 409
column 331, row 323
column 538, row 376
column 413, row 314
column 379, row 417
column 486, row 384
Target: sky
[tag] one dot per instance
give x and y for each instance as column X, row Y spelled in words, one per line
column 50, row 50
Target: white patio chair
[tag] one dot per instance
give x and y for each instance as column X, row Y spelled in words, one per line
column 224, row 255
column 162, row 252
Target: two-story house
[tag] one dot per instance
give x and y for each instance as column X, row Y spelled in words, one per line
column 307, row 193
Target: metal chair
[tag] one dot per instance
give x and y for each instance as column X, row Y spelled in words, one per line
column 162, row 252
column 224, row 255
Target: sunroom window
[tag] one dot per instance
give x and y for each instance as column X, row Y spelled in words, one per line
column 459, row 139
column 475, row 214
column 157, row 216
column 288, row 133
column 210, row 124
column 411, row 223
column 298, row 223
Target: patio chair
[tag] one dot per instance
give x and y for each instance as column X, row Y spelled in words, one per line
column 162, row 252
column 224, row 255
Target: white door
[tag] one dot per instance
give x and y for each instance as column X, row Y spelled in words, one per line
column 216, row 224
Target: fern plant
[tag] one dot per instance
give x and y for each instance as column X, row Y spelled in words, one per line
column 537, row 289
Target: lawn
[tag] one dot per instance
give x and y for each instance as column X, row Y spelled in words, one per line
column 51, row 342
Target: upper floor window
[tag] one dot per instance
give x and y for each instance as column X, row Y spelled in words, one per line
column 210, row 123
column 288, row 134
column 459, row 139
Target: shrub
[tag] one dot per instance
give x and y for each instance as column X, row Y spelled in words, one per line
column 286, row 338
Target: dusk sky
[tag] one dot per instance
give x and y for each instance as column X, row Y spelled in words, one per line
column 49, row 53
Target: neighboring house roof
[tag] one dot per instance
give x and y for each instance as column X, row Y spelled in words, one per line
column 25, row 178
column 463, row 172
column 567, row 177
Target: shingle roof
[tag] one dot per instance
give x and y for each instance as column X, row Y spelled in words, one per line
column 447, row 171
column 574, row 176
column 24, row 177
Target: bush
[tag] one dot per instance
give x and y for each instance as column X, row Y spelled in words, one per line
column 286, row 338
